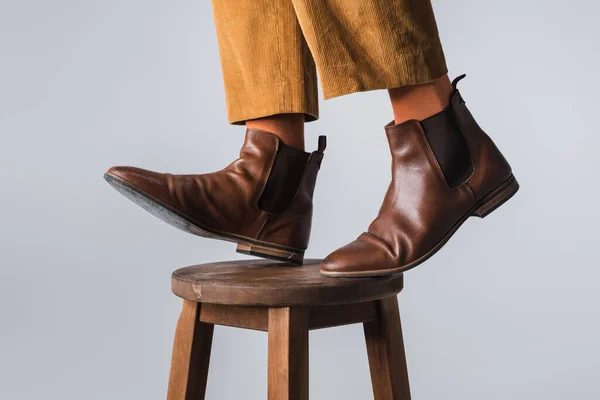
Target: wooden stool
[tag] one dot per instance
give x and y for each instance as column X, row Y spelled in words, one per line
column 285, row 301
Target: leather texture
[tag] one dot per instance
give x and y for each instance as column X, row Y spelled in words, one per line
column 225, row 203
column 420, row 209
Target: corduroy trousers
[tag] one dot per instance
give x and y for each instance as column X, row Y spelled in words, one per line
column 271, row 49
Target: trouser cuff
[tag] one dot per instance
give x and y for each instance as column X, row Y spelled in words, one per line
column 271, row 99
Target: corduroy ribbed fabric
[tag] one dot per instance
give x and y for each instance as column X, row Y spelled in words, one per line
column 269, row 49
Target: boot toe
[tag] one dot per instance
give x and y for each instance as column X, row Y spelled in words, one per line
column 366, row 256
column 132, row 175
column 141, row 180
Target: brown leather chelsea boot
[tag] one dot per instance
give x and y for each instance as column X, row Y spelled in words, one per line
column 444, row 170
column 262, row 201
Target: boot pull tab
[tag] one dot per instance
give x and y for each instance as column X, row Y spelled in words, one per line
column 455, row 92
column 322, row 144
column 457, row 79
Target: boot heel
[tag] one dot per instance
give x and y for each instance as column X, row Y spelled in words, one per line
column 498, row 197
column 293, row 257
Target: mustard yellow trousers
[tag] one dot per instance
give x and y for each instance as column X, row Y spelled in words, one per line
column 269, row 49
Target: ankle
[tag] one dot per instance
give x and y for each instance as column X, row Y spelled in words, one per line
column 288, row 127
column 420, row 101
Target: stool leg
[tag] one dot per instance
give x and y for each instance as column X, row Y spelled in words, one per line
column 385, row 348
column 191, row 355
column 288, row 353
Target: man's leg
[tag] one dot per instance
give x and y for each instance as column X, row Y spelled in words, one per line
column 444, row 167
column 364, row 45
column 263, row 200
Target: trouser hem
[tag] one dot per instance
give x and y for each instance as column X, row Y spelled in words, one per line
column 406, row 69
column 271, row 99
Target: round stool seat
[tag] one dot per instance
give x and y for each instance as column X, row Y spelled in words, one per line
column 271, row 283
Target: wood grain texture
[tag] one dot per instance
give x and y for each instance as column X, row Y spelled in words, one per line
column 271, row 283
column 385, row 347
column 256, row 318
column 191, row 355
column 288, row 354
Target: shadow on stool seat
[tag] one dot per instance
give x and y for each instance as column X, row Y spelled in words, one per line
column 286, row 301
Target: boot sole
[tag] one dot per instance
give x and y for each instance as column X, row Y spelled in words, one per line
column 181, row 221
column 483, row 208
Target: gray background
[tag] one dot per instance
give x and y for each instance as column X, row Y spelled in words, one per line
column 507, row 310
